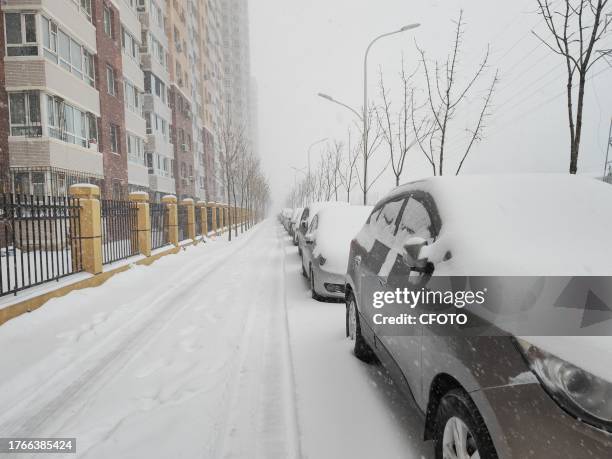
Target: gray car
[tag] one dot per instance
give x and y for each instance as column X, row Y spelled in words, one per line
column 326, row 249
column 498, row 395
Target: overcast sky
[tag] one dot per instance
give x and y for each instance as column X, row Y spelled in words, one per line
column 301, row 48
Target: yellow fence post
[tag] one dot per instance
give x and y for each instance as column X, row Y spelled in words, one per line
column 144, row 222
column 170, row 203
column 90, row 223
column 213, row 209
column 191, row 226
column 203, row 217
column 221, row 218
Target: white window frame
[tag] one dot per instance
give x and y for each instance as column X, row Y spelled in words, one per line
column 24, row 43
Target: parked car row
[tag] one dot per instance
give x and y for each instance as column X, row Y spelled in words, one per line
column 506, row 396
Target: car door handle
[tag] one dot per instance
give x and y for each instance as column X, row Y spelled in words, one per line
column 357, row 260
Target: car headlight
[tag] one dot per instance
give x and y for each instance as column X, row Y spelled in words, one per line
column 322, row 260
column 582, row 394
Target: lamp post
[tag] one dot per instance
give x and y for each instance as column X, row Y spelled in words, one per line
column 309, row 151
column 295, row 171
column 364, row 116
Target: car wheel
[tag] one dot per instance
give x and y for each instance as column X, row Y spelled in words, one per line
column 304, row 273
column 299, row 251
column 313, row 290
column 460, row 430
column 362, row 349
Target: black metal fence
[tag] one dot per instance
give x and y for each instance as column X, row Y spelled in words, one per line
column 209, row 218
column 119, row 230
column 159, row 225
column 183, row 223
column 39, row 240
column 198, row 221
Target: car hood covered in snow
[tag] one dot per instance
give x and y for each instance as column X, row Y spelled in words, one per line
column 337, row 228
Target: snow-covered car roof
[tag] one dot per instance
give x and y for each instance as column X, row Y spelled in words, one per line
column 536, row 224
column 297, row 213
column 336, row 229
column 315, row 207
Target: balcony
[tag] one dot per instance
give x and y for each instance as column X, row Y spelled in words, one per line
column 38, row 72
column 162, row 184
column 49, row 152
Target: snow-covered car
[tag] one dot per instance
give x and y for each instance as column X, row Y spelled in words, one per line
column 500, row 395
column 306, row 219
column 295, row 221
column 326, row 252
column 285, row 217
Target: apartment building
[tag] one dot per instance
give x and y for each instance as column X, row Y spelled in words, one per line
column 236, row 52
column 51, row 106
column 154, row 57
column 180, row 98
column 126, row 94
column 133, row 95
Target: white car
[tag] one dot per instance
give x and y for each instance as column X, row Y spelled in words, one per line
column 328, row 242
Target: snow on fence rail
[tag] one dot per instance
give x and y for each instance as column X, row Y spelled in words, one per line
column 119, row 230
column 39, row 240
column 159, row 225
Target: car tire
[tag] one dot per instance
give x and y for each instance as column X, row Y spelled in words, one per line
column 458, row 416
column 313, row 291
column 304, row 273
column 299, row 251
column 362, row 349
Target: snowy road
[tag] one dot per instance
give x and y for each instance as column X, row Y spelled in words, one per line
column 217, row 352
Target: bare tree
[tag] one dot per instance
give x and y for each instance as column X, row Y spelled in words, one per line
column 396, row 128
column 374, row 139
column 577, row 27
column 444, row 98
column 232, row 144
column 348, row 169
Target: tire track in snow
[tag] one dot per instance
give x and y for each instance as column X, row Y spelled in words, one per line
column 47, row 404
column 260, row 420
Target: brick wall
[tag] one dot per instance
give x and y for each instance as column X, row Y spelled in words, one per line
column 4, row 117
column 185, row 186
column 111, row 107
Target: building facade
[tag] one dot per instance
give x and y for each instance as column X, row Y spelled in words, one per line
column 126, row 94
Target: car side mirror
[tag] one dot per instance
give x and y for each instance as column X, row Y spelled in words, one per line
column 412, row 256
column 303, row 227
column 309, row 238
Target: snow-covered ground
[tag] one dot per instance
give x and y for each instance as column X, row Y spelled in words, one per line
column 217, row 352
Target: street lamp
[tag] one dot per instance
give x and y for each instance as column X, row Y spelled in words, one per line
column 364, row 117
column 309, row 151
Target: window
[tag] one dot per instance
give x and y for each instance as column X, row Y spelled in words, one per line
column 85, row 7
column 132, row 96
column 60, row 48
column 129, row 44
column 148, row 123
column 111, row 83
column 415, row 222
column 114, row 138
column 69, row 124
column 135, row 147
column 21, row 34
column 108, row 21
column 387, row 218
column 24, row 114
